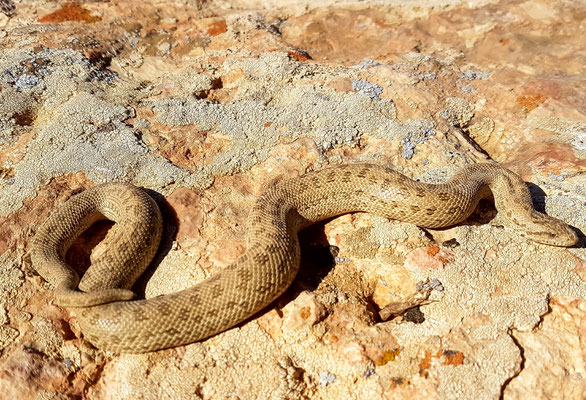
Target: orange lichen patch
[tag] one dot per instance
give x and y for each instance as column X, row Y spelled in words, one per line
column 448, row 357
column 305, row 312
column 267, row 124
column 432, row 249
column 425, row 363
column 70, row 12
column 530, row 102
column 217, row 28
column 387, row 356
column 330, row 338
column 299, row 55
column 451, row 357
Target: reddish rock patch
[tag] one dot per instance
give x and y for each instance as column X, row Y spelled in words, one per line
column 70, row 12
column 530, row 102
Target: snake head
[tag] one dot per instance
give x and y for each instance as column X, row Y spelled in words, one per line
column 544, row 229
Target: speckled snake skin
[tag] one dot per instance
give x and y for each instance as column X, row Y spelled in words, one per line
column 111, row 322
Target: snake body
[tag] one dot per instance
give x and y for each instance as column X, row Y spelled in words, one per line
column 111, row 322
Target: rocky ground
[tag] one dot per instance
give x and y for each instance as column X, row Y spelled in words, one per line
column 206, row 102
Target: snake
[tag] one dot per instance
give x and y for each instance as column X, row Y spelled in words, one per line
column 102, row 299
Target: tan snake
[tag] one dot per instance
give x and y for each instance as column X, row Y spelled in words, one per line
column 109, row 321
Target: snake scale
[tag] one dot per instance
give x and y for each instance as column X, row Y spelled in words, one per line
column 111, row 322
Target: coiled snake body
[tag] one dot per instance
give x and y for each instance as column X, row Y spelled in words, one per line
column 109, row 321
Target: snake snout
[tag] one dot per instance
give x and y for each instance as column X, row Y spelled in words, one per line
column 567, row 238
column 551, row 231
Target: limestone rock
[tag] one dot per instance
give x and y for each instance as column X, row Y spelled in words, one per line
column 204, row 103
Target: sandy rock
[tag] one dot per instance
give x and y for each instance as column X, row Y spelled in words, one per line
column 26, row 373
column 554, row 354
column 204, row 103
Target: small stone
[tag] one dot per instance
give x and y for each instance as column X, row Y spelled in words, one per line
column 325, row 378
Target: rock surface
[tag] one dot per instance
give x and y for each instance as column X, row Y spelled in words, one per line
column 206, row 102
